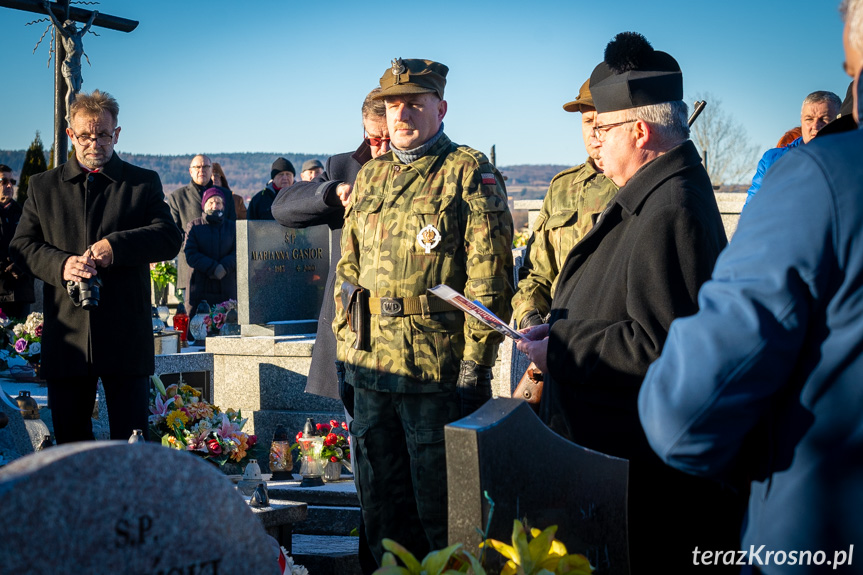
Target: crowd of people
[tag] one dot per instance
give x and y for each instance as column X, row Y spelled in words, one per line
column 727, row 374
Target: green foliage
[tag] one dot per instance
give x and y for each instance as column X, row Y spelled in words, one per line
column 34, row 163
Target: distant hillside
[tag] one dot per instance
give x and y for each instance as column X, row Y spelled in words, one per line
column 249, row 172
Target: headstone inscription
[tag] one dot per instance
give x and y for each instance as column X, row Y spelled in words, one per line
column 281, row 277
column 115, row 507
column 533, row 474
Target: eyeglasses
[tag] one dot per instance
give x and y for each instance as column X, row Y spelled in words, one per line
column 204, row 167
column 101, row 139
column 375, row 142
column 7, row 181
column 600, row 132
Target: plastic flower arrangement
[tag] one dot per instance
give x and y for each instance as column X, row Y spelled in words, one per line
column 163, row 273
column 182, row 420
column 26, row 337
column 218, row 316
column 337, row 447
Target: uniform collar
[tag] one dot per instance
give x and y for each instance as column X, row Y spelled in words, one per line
column 424, row 164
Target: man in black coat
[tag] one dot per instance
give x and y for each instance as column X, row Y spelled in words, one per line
column 322, row 201
column 16, row 287
column 620, row 288
column 96, row 217
column 185, row 204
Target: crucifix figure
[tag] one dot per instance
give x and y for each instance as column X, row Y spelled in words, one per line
column 73, row 43
column 67, row 65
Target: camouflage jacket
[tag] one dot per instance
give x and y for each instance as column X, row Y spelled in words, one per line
column 574, row 197
column 455, row 190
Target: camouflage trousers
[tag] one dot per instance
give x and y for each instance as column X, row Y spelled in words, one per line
column 401, row 467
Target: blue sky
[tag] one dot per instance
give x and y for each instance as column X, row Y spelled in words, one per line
column 286, row 76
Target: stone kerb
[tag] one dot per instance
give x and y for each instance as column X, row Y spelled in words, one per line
column 112, row 507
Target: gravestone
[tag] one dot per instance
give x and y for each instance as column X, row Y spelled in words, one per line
column 534, row 475
column 281, row 277
column 112, row 507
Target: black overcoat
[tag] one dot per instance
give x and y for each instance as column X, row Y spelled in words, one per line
column 302, row 205
column 68, row 210
column 620, row 288
column 13, row 290
column 207, row 246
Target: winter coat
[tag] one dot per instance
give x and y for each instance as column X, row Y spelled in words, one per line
column 304, row 204
column 207, row 246
column 69, row 209
column 12, row 289
column 636, row 271
column 765, row 380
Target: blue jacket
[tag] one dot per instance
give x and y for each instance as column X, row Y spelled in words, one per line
column 768, row 159
column 767, row 378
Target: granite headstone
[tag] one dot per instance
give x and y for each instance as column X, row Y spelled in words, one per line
column 533, row 474
column 281, row 277
column 114, row 507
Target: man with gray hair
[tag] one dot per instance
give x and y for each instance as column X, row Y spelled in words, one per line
column 637, row 270
column 819, row 109
column 764, row 381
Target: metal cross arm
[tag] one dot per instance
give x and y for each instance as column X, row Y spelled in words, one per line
column 76, row 14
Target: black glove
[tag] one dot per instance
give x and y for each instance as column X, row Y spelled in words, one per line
column 473, row 385
column 346, row 390
column 531, row 319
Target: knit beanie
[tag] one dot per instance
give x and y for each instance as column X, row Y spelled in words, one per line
column 209, row 194
column 281, row 165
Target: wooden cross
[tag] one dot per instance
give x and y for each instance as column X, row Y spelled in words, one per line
column 61, row 12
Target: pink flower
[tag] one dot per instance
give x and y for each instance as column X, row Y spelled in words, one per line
column 333, row 424
column 253, row 439
column 38, row 330
column 219, row 319
column 21, row 345
column 208, row 320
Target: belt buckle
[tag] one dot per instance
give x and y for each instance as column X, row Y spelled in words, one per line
column 391, row 307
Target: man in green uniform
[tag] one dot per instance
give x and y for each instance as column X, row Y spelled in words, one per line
column 574, row 200
column 428, row 212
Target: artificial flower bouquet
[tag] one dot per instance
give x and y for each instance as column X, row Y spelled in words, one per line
column 182, row 420
column 218, row 316
column 24, row 337
column 337, row 446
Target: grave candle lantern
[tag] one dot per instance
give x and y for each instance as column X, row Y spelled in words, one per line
column 281, row 460
column 312, row 466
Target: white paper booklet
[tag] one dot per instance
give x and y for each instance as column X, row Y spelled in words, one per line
column 475, row 309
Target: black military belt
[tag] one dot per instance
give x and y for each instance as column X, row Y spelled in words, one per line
column 401, row 306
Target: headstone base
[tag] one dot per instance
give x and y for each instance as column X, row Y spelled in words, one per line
column 277, row 328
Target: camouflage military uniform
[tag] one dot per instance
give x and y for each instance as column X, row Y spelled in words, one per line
column 574, row 198
column 405, row 382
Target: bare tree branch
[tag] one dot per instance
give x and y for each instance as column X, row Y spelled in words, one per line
column 730, row 157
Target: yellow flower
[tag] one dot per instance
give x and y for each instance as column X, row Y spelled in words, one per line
column 172, row 418
column 190, row 391
column 240, row 452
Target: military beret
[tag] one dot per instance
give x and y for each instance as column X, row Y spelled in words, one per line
column 633, row 74
column 281, row 165
column 413, row 77
column 583, row 100
column 311, row 165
